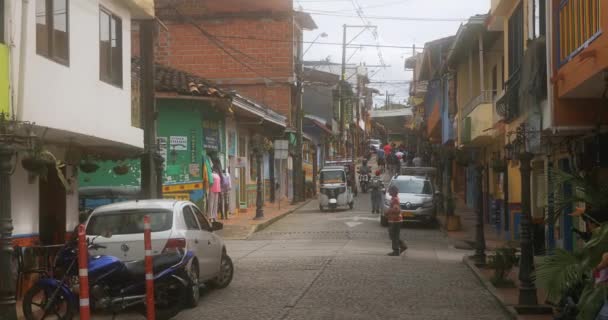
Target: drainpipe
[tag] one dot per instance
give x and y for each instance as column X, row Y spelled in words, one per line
column 22, row 55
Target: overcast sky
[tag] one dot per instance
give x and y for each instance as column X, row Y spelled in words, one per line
column 406, row 33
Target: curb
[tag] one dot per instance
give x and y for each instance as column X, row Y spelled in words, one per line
column 509, row 310
column 266, row 224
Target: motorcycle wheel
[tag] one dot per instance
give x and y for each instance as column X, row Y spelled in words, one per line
column 169, row 297
column 37, row 297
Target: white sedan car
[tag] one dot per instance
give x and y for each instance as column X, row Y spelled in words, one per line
column 175, row 226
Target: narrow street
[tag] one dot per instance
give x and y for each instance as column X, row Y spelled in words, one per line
column 313, row 265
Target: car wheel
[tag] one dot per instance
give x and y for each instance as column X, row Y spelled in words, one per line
column 194, row 292
column 383, row 221
column 224, row 278
column 351, row 205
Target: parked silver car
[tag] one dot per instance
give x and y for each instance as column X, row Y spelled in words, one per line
column 417, row 199
column 175, row 226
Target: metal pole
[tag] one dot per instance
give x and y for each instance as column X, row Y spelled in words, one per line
column 340, row 94
column 148, row 176
column 527, row 288
column 550, row 208
column 7, row 280
column 272, row 175
column 281, row 183
column 480, row 241
column 259, row 202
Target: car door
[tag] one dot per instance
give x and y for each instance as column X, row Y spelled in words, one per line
column 194, row 236
column 213, row 244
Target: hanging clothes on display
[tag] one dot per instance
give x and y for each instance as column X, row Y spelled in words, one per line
column 216, row 189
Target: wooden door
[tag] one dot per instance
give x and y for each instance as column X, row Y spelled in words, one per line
column 52, row 208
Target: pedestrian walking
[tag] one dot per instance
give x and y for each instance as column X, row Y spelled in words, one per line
column 214, row 195
column 393, row 215
column 376, row 186
column 380, row 158
column 226, row 187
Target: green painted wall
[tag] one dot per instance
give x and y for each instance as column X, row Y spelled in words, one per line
column 181, row 128
column 4, row 78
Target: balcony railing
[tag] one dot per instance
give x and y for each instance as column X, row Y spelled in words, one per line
column 508, row 105
column 486, row 96
column 579, row 25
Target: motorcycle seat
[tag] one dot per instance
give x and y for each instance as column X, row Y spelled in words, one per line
column 159, row 263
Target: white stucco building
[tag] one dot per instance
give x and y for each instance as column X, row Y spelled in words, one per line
column 70, row 74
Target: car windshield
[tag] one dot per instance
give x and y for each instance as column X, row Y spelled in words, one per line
column 336, row 176
column 415, row 186
column 129, row 222
column 374, row 141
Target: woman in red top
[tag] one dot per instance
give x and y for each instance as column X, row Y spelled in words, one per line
column 393, row 215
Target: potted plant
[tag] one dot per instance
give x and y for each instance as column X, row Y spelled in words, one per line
column 564, row 271
column 503, row 260
column 88, row 166
column 36, row 162
column 120, row 169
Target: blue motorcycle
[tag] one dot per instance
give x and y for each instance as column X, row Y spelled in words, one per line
column 114, row 285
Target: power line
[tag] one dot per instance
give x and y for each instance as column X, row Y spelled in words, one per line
column 218, row 43
column 354, row 45
column 421, row 19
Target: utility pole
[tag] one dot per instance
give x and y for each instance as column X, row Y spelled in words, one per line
column 150, row 168
column 341, row 93
column 342, row 100
column 298, row 185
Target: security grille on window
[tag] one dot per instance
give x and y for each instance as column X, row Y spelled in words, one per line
column 52, row 30
column 110, row 48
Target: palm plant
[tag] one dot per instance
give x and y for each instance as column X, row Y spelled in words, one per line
column 564, row 270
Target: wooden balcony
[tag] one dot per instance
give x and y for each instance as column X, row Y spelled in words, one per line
column 578, row 26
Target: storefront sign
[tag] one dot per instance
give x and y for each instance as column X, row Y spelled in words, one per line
column 193, row 146
column 195, row 170
column 241, row 162
column 162, row 147
column 232, row 143
column 211, row 135
column 179, row 143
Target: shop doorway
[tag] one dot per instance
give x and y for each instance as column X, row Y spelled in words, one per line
column 52, row 208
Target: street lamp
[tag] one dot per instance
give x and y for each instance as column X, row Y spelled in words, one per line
column 480, row 241
column 258, row 150
column 527, row 288
column 321, row 35
column 14, row 136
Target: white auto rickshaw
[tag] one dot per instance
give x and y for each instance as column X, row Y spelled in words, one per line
column 335, row 191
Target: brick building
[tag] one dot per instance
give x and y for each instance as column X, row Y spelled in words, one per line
column 252, row 47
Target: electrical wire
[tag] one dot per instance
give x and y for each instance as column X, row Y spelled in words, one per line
column 421, row 19
column 218, row 43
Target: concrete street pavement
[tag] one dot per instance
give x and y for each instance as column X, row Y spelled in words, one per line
column 313, row 265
